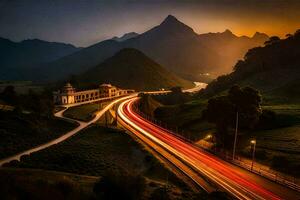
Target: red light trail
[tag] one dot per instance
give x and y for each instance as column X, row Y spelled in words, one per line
column 223, row 174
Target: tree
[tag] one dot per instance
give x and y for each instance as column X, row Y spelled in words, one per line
column 238, row 65
column 120, row 185
column 272, row 40
column 288, row 35
column 160, row 194
column 9, row 95
column 297, row 33
column 176, row 90
column 222, row 111
column 247, row 102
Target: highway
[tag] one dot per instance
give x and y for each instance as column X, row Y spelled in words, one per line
column 67, row 135
column 227, row 177
column 82, row 125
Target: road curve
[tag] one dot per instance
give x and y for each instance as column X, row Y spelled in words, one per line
column 81, row 126
column 236, row 181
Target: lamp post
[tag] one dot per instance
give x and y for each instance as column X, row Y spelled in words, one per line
column 235, row 135
column 253, row 142
column 209, row 136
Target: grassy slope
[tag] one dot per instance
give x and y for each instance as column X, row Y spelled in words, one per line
column 83, row 112
column 274, row 71
column 96, row 150
column 187, row 118
column 130, row 68
column 283, row 140
column 148, row 105
column 20, row 132
column 41, row 184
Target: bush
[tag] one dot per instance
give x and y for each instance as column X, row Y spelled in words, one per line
column 261, row 154
column 160, row 194
column 120, row 185
column 218, row 196
column 278, row 162
column 267, row 120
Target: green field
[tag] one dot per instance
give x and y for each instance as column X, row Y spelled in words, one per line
column 97, row 150
column 187, row 118
column 22, row 87
column 47, row 185
column 20, row 132
column 84, row 112
column 283, row 142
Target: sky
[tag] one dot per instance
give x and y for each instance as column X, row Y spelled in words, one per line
column 85, row 22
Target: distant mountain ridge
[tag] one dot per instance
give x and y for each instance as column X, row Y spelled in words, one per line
column 231, row 47
column 126, row 36
column 172, row 44
column 273, row 69
column 20, row 56
column 130, row 68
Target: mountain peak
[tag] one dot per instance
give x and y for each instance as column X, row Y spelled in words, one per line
column 259, row 35
column 172, row 24
column 228, row 31
column 170, row 18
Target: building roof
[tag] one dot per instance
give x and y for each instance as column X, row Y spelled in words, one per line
column 68, row 85
column 106, row 85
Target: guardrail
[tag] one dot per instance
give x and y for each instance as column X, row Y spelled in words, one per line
column 272, row 175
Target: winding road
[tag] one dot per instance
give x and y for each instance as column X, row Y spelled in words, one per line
column 81, row 126
column 205, row 169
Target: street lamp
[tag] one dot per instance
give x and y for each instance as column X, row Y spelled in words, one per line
column 253, row 142
column 235, row 134
column 209, row 136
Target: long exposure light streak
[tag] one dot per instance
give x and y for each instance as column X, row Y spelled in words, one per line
column 216, row 170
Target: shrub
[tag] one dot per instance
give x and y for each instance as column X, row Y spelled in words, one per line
column 160, row 194
column 120, row 185
column 278, row 162
column 267, row 120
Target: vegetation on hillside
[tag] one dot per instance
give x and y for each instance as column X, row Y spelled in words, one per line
column 242, row 104
column 272, row 69
column 47, row 185
column 120, row 185
column 18, row 58
column 100, row 151
column 275, row 127
column 130, row 68
column 172, row 44
column 31, row 123
column 84, row 112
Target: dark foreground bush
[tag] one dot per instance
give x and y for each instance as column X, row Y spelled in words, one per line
column 23, row 187
column 120, row 185
column 160, row 194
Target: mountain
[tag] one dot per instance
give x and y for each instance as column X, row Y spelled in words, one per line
column 172, row 44
column 126, row 36
column 231, row 47
column 20, row 56
column 273, row 69
column 130, row 68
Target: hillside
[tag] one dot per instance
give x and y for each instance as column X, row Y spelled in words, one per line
column 172, row 44
column 231, row 46
column 18, row 57
column 274, row 69
column 130, row 68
